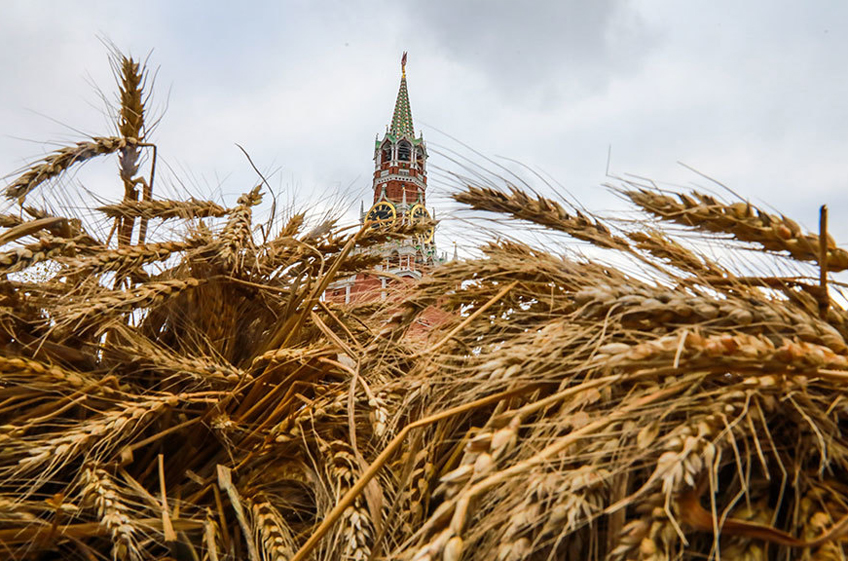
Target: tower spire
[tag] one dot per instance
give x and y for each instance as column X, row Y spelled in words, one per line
column 402, row 118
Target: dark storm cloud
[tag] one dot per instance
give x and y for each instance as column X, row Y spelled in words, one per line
column 539, row 49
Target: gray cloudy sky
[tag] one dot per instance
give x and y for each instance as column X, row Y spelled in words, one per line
column 754, row 93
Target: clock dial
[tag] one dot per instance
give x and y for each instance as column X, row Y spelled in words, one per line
column 381, row 214
column 418, row 214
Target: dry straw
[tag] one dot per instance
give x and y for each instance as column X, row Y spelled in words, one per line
column 195, row 398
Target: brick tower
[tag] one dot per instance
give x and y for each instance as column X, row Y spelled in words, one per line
column 400, row 197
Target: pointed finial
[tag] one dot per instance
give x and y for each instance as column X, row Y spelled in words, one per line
column 455, row 256
column 403, row 64
column 403, row 198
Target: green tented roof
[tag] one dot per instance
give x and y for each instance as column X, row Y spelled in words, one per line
column 402, row 118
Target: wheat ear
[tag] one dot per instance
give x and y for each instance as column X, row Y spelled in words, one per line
column 743, row 221
column 60, row 160
column 100, row 491
column 163, row 209
column 131, row 127
column 542, row 211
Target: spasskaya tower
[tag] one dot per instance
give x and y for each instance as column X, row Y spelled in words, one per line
column 399, row 197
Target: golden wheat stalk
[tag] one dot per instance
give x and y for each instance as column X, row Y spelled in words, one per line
column 274, row 536
column 663, row 247
column 54, row 450
column 743, row 221
column 20, row 370
column 161, row 360
column 107, row 305
column 59, row 161
column 238, row 234
column 131, row 128
column 10, row 220
column 542, row 211
column 741, row 352
column 47, row 249
column 164, row 209
column 642, row 306
column 101, row 493
column 129, row 257
column 356, row 530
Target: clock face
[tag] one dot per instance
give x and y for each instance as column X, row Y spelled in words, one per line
column 381, row 214
column 417, row 214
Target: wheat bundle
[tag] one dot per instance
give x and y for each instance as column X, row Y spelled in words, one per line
column 194, row 398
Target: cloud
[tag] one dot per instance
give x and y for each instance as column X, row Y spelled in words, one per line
column 752, row 93
column 542, row 50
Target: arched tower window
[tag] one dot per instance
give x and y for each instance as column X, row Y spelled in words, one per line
column 386, row 154
column 404, row 151
column 419, row 157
